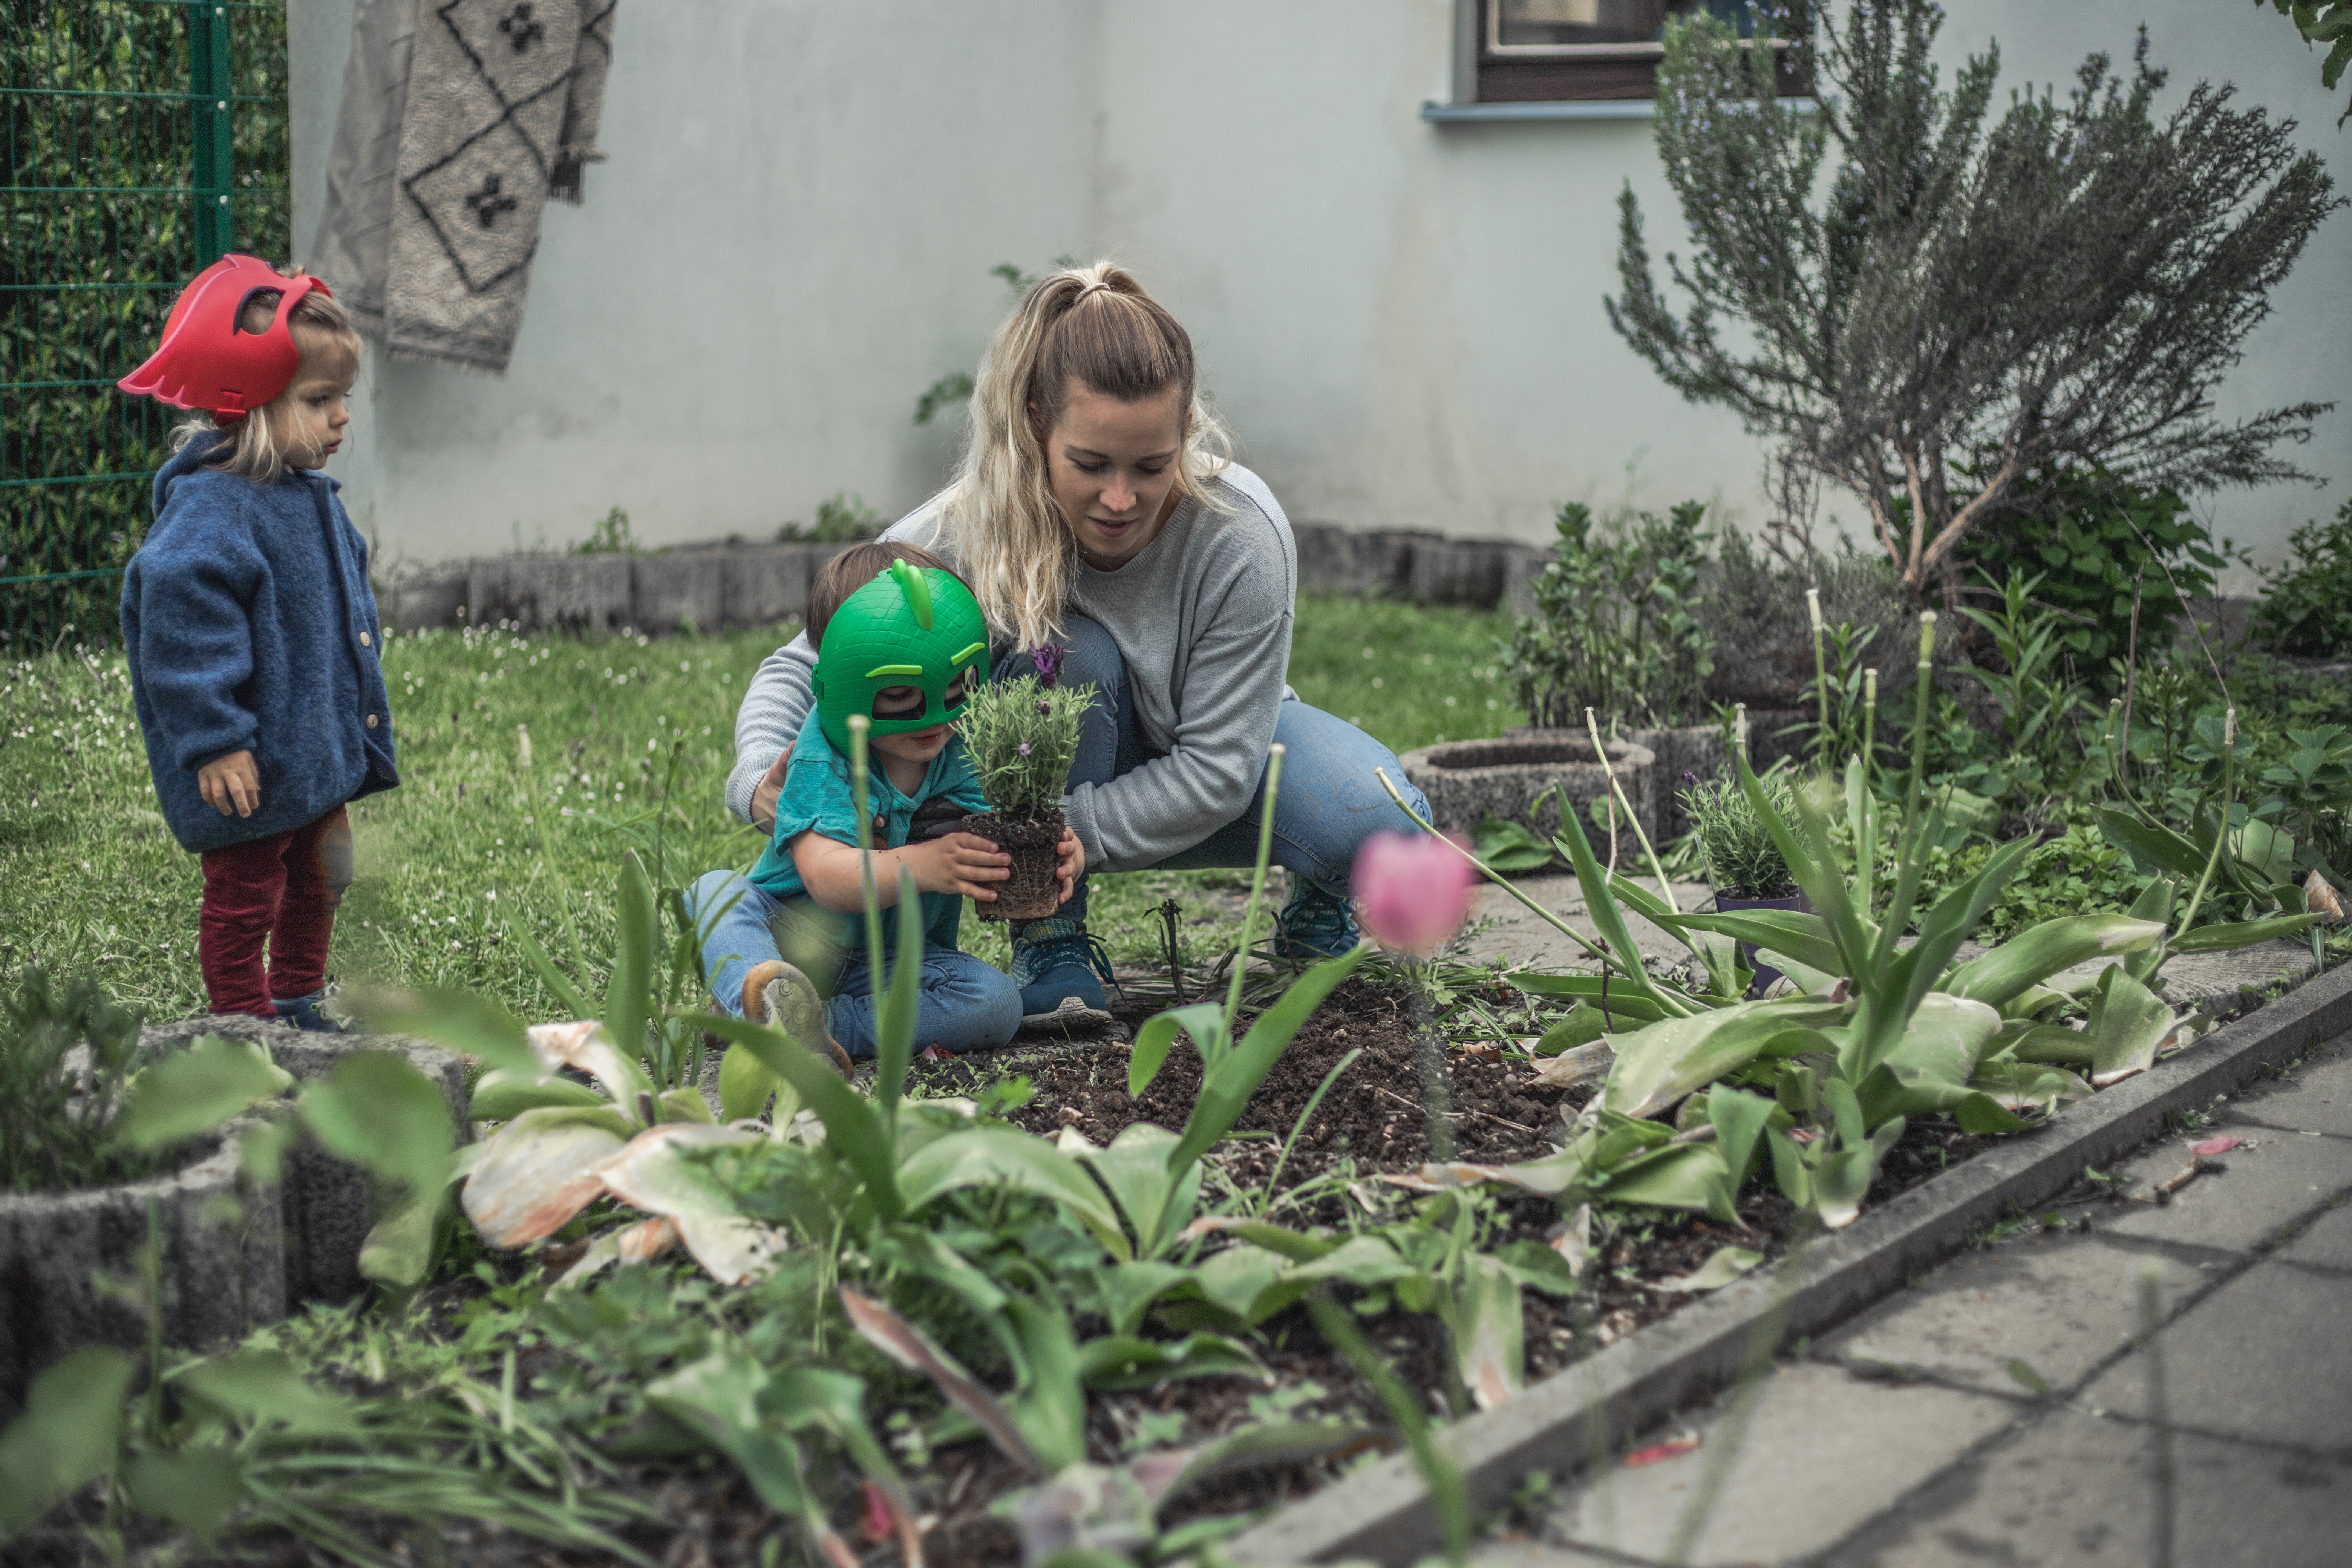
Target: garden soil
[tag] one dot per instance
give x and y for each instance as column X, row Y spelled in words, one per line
column 1368, row 1123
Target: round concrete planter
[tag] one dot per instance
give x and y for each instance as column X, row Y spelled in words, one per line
column 325, row 1201
column 1695, row 749
column 224, row 1269
column 1469, row 781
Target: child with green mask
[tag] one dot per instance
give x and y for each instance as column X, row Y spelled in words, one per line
column 901, row 639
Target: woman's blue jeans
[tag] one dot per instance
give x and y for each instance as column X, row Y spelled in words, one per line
column 1327, row 804
column 966, row 1001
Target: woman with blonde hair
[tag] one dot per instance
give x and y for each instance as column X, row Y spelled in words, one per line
column 1110, row 540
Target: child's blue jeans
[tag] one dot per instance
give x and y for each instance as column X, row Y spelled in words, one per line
column 966, row 1001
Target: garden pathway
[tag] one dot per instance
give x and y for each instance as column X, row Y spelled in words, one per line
column 1914, row 1436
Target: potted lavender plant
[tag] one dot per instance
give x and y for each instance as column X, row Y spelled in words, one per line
column 1021, row 735
column 1744, row 866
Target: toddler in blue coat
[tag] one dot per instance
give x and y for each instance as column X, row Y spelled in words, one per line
column 252, row 635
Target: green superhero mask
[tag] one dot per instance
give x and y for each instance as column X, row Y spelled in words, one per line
column 909, row 626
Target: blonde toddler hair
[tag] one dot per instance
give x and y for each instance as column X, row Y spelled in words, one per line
column 255, row 444
column 1093, row 325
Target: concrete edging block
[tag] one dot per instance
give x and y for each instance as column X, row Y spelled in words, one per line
column 325, row 1203
column 1381, row 1512
column 678, row 590
column 540, row 592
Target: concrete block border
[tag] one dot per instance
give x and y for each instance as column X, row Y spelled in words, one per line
column 708, row 587
column 1381, row 1512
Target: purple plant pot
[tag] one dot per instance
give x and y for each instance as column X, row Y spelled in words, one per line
column 1765, row 973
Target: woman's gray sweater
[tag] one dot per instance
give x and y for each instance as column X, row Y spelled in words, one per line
column 1202, row 618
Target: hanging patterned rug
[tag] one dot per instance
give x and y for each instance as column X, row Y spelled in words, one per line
column 497, row 110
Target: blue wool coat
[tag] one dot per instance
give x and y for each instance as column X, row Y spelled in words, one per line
column 249, row 626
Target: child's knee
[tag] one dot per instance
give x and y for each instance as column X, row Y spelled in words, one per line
column 709, row 889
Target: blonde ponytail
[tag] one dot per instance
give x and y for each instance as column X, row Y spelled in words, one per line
column 1095, row 325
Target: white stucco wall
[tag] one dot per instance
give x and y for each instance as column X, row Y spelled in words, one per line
column 1403, row 320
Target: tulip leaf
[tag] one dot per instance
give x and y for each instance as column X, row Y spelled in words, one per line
column 65, row 1437
column 1203, row 1021
column 988, row 1155
column 2244, row 933
column 2034, row 954
column 193, row 1091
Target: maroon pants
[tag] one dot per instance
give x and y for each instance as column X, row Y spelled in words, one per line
column 278, row 891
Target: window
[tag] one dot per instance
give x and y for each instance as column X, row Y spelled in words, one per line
column 1533, row 51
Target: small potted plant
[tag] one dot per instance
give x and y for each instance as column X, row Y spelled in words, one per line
column 1021, row 735
column 1744, row 866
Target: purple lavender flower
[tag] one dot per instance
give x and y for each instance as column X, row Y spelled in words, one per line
column 1023, row 748
column 1044, row 707
column 1047, row 659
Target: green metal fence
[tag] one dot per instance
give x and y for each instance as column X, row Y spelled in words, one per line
column 143, row 138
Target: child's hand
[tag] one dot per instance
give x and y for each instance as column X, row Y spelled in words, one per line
column 962, row 863
column 231, row 782
column 1069, row 863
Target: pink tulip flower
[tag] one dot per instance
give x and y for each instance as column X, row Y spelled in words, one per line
column 1412, row 892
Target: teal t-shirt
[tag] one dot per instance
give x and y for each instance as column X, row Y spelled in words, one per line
column 817, row 798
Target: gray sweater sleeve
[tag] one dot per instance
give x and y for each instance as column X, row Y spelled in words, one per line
column 777, row 702
column 769, row 719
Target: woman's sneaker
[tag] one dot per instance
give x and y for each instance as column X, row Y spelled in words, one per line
column 782, row 997
column 1314, row 926
column 1056, row 963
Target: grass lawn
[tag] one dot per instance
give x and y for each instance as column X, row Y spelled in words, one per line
column 630, row 741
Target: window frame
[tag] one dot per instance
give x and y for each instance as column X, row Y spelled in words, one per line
column 1489, row 71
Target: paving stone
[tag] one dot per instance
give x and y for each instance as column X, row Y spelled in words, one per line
column 2075, row 1492
column 1536, row 1554
column 1824, row 1452
column 2193, row 978
column 2059, row 1304
column 2265, row 1357
column 2328, row 1240
column 1524, row 937
column 2278, row 1178
column 2318, row 1099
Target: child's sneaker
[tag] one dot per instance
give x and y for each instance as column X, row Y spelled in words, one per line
column 309, row 1012
column 1055, row 964
column 777, row 994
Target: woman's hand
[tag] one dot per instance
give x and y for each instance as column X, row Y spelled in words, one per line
column 962, row 863
column 231, row 783
column 1069, row 863
column 764, row 798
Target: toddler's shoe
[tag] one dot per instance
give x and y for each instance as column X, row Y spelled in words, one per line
column 777, row 994
column 307, row 1013
column 1055, row 963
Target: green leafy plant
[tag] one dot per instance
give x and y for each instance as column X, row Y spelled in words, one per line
column 55, row 1127
column 2035, row 695
column 1021, row 735
column 842, row 518
column 2306, row 604
column 956, row 385
column 1617, row 626
column 1960, row 301
column 1741, row 857
column 2110, row 559
column 2327, row 22
column 608, row 535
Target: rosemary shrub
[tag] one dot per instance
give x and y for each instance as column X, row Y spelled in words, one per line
column 1021, row 735
column 1741, row 859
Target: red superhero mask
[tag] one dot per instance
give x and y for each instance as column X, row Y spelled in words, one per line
column 205, row 362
